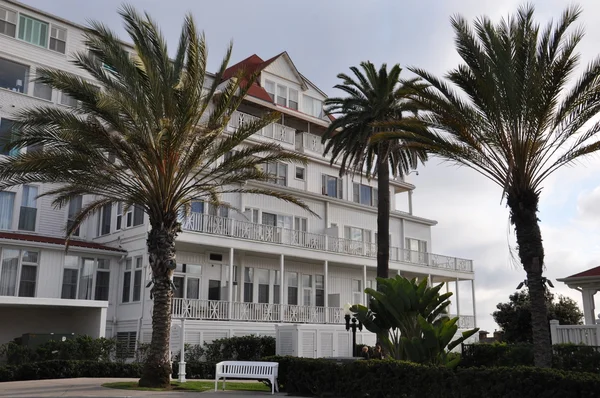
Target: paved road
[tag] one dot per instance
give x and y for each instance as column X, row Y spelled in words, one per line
column 93, row 388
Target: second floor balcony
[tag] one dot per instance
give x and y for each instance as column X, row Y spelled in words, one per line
column 214, row 225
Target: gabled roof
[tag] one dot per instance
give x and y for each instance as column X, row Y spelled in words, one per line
column 592, row 272
column 58, row 241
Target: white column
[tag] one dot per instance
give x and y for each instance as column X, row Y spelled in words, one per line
column 457, row 300
column 588, row 306
column 474, row 304
column 182, row 359
column 231, row 287
column 326, row 287
column 364, row 284
column 410, row 204
column 283, row 296
column 429, row 280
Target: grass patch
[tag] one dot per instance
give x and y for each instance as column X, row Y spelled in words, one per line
column 197, row 386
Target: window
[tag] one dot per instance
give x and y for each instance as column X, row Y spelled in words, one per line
column 293, row 101
column 276, row 220
column 300, row 228
column 187, row 281
column 262, row 276
column 13, row 76
column 74, row 209
column 214, row 290
column 307, row 289
column 137, row 279
column 8, row 22
column 312, row 106
column 356, row 292
column 132, row 292
column 252, row 215
column 300, row 173
column 270, row 89
column 276, row 286
column 277, row 172
column 320, row 290
column 119, row 223
column 357, row 234
column 138, row 215
column 104, row 219
column 281, row 95
column 248, row 285
column 43, row 91
column 7, row 205
column 126, row 344
column 33, row 31
column 364, row 194
column 218, row 211
column 28, row 212
column 6, row 133
column 86, row 278
column 332, row 186
column 21, row 266
column 417, row 250
column 66, row 99
column 292, row 285
column 58, row 39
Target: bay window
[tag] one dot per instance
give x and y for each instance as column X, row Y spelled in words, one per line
column 104, row 219
column 86, row 278
column 7, row 205
column 70, row 278
column 331, row 186
column 18, row 276
column 28, row 211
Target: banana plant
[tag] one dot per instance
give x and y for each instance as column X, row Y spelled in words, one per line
column 410, row 320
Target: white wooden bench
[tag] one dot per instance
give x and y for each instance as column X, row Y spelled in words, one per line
column 248, row 370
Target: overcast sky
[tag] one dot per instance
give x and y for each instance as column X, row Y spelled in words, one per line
column 325, row 37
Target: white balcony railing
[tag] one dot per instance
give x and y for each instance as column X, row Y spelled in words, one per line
column 575, row 334
column 276, row 131
column 214, row 225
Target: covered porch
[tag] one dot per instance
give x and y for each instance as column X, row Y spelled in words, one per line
column 44, row 316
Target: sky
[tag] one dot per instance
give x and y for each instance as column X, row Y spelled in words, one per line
column 326, row 37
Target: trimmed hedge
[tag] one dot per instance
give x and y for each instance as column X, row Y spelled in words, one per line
column 64, row 369
column 568, row 357
column 388, row 378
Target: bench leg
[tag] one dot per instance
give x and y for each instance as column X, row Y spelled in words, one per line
column 224, row 381
column 216, row 383
column 276, row 385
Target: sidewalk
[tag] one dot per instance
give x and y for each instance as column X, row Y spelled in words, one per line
column 93, row 388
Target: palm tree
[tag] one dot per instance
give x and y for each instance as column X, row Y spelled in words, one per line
column 374, row 97
column 153, row 136
column 515, row 121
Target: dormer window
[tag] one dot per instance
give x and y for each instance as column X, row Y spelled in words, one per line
column 270, row 89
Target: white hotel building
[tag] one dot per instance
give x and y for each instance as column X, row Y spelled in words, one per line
column 237, row 274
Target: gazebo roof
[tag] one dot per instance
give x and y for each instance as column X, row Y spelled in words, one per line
column 592, row 272
column 587, row 278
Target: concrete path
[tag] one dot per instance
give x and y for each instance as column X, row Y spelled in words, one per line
column 93, row 388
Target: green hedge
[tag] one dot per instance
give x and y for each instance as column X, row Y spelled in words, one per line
column 388, row 378
column 62, row 369
column 569, row 357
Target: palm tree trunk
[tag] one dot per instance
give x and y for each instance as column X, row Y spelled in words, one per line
column 383, row 213
column 161, row 251
column 524, row 209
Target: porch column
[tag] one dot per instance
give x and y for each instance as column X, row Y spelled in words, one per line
column 588, row 306
column 182, row 359
column 457, row 301
column 230, row 291
column 410, row 207
column 474, row 303
column 429, row 280
column 283, row 298
column 326, row 286
column 364, row 284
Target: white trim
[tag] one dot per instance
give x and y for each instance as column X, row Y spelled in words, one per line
column 50, row 302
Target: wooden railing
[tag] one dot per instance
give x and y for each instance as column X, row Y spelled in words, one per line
column 204, row 223
column 575, row 334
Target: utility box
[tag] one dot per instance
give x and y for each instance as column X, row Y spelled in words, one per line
column 315, row 341
column 33, row 340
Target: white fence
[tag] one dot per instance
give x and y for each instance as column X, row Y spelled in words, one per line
column 575, row 334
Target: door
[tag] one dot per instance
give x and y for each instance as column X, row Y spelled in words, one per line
column 308, row 344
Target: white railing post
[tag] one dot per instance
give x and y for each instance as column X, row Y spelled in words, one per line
column 182, row 358
column 554, row 331
column 230, row 292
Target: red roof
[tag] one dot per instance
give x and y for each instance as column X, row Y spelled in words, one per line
column 57, row 241
column 592, row 272
column 250, row 65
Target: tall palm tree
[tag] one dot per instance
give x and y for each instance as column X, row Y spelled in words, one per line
column 516, row 120
column 163, row 122
column 373, row 97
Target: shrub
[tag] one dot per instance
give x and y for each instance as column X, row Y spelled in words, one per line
column 60, row 369
column 243, row 348
column 576, row 357
column 389, row 378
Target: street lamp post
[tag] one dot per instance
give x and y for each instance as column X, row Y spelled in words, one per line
column 352, row 323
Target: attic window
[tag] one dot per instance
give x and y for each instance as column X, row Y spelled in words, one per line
column 270, row 89
column 215, row 257
column 281, row 95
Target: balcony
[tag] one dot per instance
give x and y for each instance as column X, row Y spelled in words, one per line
column 275, row 131
column 214, row 225
column 262, row 312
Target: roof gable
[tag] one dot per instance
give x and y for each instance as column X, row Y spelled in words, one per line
column 592, row 272
column 282, row 65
